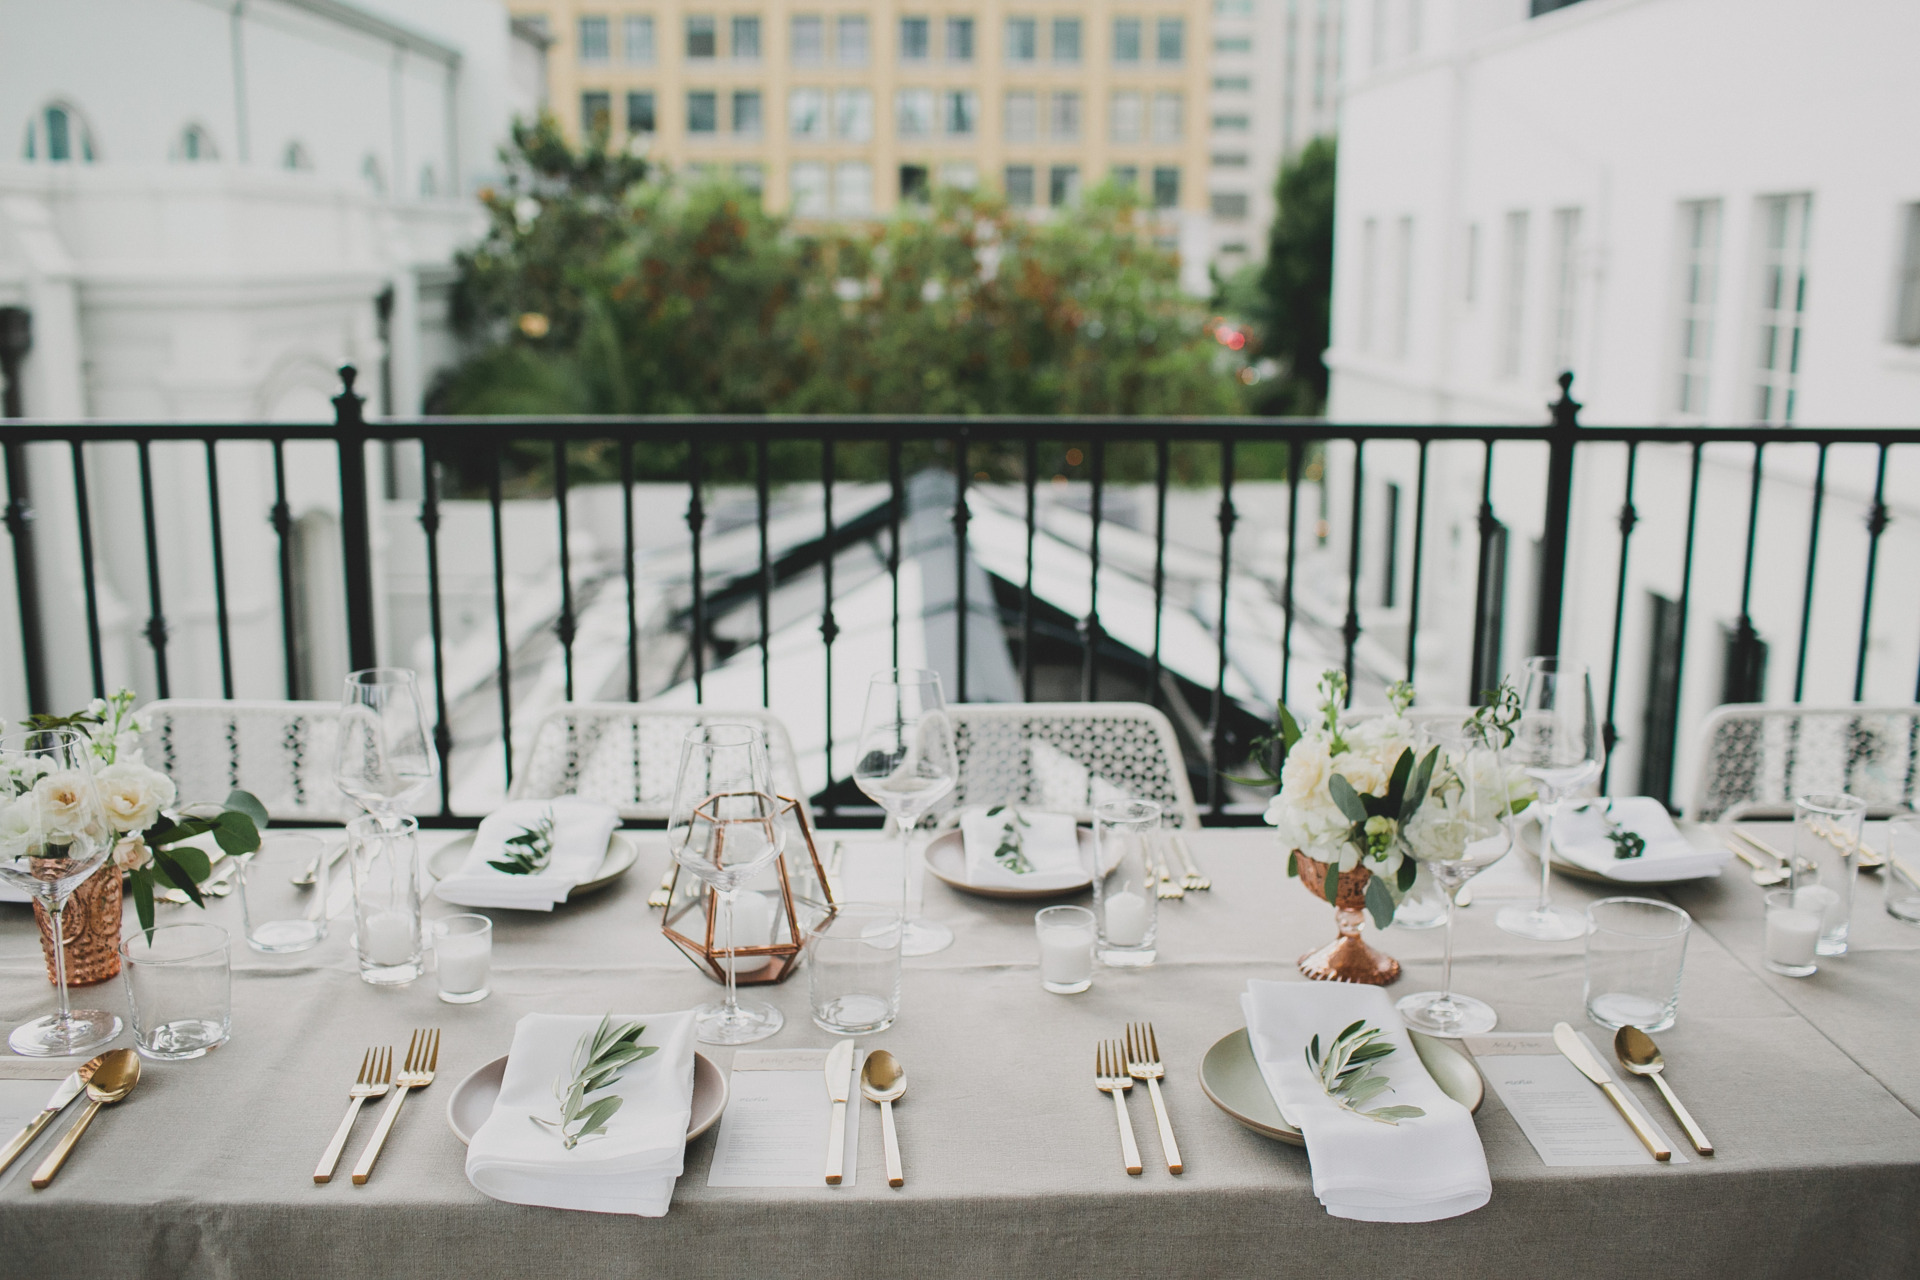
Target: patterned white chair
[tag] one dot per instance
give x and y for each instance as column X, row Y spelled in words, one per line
column 280, row 751
column 1756, row 757
column 1068, row 757
column 629, row 755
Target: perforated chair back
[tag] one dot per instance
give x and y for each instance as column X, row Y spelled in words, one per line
column 1756, row 757
column 282, row 752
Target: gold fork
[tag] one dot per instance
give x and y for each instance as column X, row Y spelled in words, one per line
column 1195, row 881
column 1143, row 1063
column 423, row 1054
column 663, row 895
column 376, row 1076
column 1110, row 1075
column 1165, row 885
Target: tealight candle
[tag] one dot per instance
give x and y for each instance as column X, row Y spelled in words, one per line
column 1792, row 934
column 463, row 946
column 1066, row 948
column 389, row 938
column 752, row 926
column 1126, row 919
column 1829, row 905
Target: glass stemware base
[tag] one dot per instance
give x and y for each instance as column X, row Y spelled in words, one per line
column 82, row 1031
column 743, row 1023
column 1444, row 1014
column 1543, row 923
column 924, row 937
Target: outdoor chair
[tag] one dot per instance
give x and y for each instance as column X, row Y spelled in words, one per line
column 1756, row 757
column 282, row 752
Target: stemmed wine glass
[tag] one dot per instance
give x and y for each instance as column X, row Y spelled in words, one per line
column 907, row 763
column 1462, row 828
column 385, row 755
column 53, row 835
column 725, row 828
column 1557, row 741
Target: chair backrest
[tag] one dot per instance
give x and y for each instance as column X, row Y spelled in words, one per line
column 1756, row 757
column 1068, row 757
column 629, row 755
column 282, row 752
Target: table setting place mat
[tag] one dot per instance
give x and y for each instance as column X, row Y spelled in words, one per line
column 1417, row 1170
column 1564, row 1115
column 633, row 1166
column 774, row 1132
column 1581, row 837
column 1050, row 843
column 26, row 1084
column 580, row 831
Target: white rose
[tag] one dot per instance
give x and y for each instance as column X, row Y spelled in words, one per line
column 1303, row 778
column 66, row 807
column 131, row 854
column 1364, row 771
column 133, row 795
column 19, row 828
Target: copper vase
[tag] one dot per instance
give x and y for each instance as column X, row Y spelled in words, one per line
column 90, row 925
column 1347, row 958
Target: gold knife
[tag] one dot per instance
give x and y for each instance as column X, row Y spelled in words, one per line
column 66, row 1091
column 839, row 1074
column 1575, row 1051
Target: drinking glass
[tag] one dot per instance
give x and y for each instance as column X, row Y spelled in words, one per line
column 725, row 828
column 1125, row 887
column 906, row 764
column 279, row 915
column 1636, row 952
column 1557, row 742
column 1903, row 868
column 386, row 898
column 1066, row 936
column 179, row 989
column 1793, row 936
column 463, row 952
column 853, row 969
column 384, row 756
column 1826, row 862
column 53, row 835
column 1462, row 828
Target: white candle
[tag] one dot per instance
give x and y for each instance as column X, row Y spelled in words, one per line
column 1066, row 956
column 1791, row 935
column 389, row 937
column 466, row 960
column 1828, row 905
column 752, row 926
column 1126, row 919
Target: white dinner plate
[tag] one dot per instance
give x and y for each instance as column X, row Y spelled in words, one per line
column 1230, row 1077
column 622, row 852
column 947, row 860
column 1530, row 841
column 472, row 1099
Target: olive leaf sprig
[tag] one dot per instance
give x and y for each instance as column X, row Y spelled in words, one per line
column 529, row 852
column 1346, row 1072
column 597, row 1062
column 1626, row 843
column 1011, row 852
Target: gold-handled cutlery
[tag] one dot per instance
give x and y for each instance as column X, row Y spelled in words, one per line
column 376, row 1077
column 1765, row 874
column 1196, row 880
column 67, row 1090
column 1143, row 1063
column 1641, row 1056
column 311, row 872
column 838, row 1071
column 112, row 1080
column 1165, row 885
column 423, row 1055
column 884, row 1080
column 663, row 892
column 1110, row 1076
column 1568, row 1042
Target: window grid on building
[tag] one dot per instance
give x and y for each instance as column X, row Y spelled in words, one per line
column 636, row 39
column 1399, row 337
column 1513, row 297
column 1783, row 301
column 703, row 37
column 593, row 40
column 1699, row 270
column 1566, row 287
column 1906, row 317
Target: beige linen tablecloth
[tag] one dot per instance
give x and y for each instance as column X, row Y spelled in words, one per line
column 1807, row 1089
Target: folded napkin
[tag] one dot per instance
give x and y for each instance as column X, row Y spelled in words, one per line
column 1420, row 1170
column 1581, row 838
column 581, row 829
column 629, row 1169
column 1049, row 841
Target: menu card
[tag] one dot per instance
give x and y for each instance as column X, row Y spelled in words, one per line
column 1565, row 1116
column 774, row 1133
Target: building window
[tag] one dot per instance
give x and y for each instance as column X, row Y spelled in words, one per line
column 703, row 112
column 959, row 39
column 1233, row 44
column 1566, row 285
column 1126, row 39
column 915, row 39
column 809, row 40
column 295, row 157
column 1066, row 40
column 746, row 112
column 1513, row 294
column 1128, row 117
column 593, row 40
column 1369, row 273
column 1063, row 185
column 746, row 38
column 67, row 136
column 850, row 40
column 196, row 144
column 641, row 116
column 1019, row 185
column 1230, row 204
column 1233, row 8
column 703, row 40
column 1906, row 316
column 961, row 175
column 807, row 113
column 913, row 112
column 1233, row 84
column 853, row 187
column 1229, row 159
column 1232, row 122
column 1166, row 117
column 596, row 114
column 1402, row 288
column 1125, row 176
column 916, row 185
column 1023, row 39
column 1166, row 187
column 637, row 39
column 853, row 114
column 960, row 112
column 1169, row 39
column 808, row 183
column 1783, row 303
column 1023, row 116
column 752, row 177
column 1063, row 116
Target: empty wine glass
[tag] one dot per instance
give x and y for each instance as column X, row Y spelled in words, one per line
column 906, row 765
column 1461, row 829
column 53, row 835
column 725, row 828
column 1557, row 741
column 384, row 755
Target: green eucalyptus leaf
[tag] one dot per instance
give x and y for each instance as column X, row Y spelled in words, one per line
column 1417, row 785
column 1409, row 869
column 1289, row 731
column 1397, row 780
column 246, row 802
column 143, row 899
column 236, row 833
column 1346, row 798
column 182, row 878
column 1293, row 864
column 1330, row 884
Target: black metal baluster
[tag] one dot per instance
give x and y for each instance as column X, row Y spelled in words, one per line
column 1419, row 544
column 763, row 497
column 1877, row 520
column 1483, row 579
column 696, row 521
column 1628, row 518
column 564, row 626
column 156, row 628
column 896, row 504
column 505, row 678
column 19, row 519
column 219, row 574
column 1742, row 679
column 1813, row 555
column 281, row 517
column 1026, row 594
column 1686, row 602
column 430, row 525
column 1555, row 519
column 1217, row 713
column 633, row 617
column 356, row 540
column 1160, row 467
column 1350, row 629
column 1286, row 585
column 829, row 629
column 1090, row 625
column 960, row 518
column 82, row 516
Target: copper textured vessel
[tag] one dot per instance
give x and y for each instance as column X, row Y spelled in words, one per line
column 91, row 926
column 1347, row 958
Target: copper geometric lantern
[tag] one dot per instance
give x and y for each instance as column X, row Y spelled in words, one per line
column 775, row 910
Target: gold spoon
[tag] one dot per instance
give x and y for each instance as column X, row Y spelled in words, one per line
column 882, row 1080
column 1641, row 1056
column 118, row 1072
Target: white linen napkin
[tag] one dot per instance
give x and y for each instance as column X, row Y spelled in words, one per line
column 1581, row 838
column 629, row 1169
column 581, row 829
column 1050, row 842
column 1420, row 1170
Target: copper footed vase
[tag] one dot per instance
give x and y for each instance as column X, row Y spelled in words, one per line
column 1347, row 958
